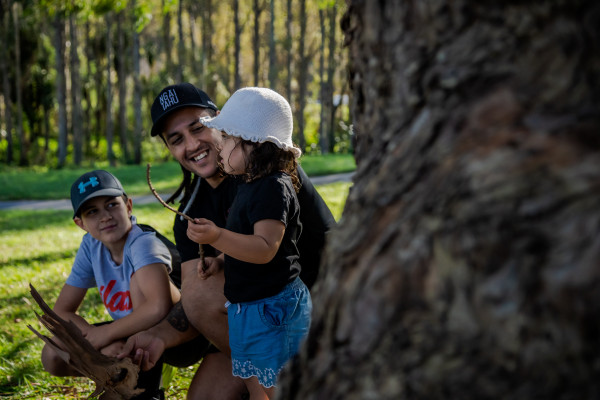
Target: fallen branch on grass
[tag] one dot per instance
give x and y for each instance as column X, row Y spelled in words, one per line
column 115, row 379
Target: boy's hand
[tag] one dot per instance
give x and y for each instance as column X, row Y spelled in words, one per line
column 213, row 265
column 203, row 231
column 98, row 336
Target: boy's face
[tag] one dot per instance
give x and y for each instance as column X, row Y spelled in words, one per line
column 106, row 218
column 192, row 144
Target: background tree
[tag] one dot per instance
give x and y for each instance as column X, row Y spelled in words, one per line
column 6, row 88
column 94, row 116
column 465, row 264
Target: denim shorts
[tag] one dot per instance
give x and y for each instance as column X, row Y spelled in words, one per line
column 264, row 334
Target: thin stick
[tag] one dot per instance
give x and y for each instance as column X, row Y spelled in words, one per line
column 200, row 248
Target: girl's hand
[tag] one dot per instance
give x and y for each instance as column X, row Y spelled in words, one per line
column 213, row 266
column 98, row 336
column 203, row 231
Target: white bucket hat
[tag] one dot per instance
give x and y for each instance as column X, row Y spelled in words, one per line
column 257, row 115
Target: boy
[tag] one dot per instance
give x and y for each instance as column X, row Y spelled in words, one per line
column 130, row 268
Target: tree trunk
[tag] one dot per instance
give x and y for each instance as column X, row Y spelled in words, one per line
column 89, row 54
column 466, row 261
column 20, row 132
column 61, row 88
column 323, row 124
column 180, row 43
column 137, row 92
column 272, row 49
column 76, row 110
column 331, row 66
column 166, row 31
column 109, row 119
column 302, row 77
column 237, row 80
column 6, row 86
column 288, row 51
column 122, row 77
column 257, row 8
column 207, row 48
column 192, row 11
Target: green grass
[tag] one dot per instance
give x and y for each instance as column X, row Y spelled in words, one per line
column 38, row 247
column 42, row 183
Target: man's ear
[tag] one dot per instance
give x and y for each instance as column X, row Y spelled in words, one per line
column 79, row 222
column 218, row 112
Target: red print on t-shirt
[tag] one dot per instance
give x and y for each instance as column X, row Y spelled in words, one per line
column 118, row 300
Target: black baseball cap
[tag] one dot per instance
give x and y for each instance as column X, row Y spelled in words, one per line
column 174, row 97
column 94, row 184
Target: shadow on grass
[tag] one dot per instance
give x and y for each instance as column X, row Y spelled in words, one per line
column 22, row 220
column 42, row 258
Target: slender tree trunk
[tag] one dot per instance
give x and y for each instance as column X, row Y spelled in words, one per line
column 288, row 48
column 323, row 123
column 272, row 49
column 122, row 76
column 61, row 88
column 109, row 119
column 20, row 132
column 180, row 43
column 207, row 48
column 331, row 67
column 8, row 119
column 87, row 124
column 77, row 113
column 466, row 262
column 192, row 11
column 257, row 8
column 166, row 31
column 137, row 93
column 237, row 80
column 302, row 76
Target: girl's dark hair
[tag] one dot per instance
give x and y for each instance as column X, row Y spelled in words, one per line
column 266, row 158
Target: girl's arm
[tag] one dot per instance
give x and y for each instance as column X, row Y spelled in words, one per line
column 151, row 298
column 258, row 248
column 68, row 303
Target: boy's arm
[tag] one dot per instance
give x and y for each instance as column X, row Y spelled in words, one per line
column 258, row 248
column 155, row 301
column 68, row 303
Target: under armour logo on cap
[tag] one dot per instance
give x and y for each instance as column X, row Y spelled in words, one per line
column 93, row 182
column 168, row 98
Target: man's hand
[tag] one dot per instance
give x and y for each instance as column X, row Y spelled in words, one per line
column 213, row 266
column 203, row 231
column 144, row 348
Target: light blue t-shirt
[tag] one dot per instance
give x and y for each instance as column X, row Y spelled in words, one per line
column 94, row 266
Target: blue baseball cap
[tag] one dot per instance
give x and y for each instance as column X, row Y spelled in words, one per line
column 94, row 184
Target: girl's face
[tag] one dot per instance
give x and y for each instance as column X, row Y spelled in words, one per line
column 233, row 155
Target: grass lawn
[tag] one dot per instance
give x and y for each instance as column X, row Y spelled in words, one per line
column 38, row 248
column 42, row 183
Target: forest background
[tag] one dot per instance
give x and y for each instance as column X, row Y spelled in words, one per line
column 78, row 78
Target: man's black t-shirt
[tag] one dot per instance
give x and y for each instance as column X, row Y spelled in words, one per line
column 271, row 197
column 214, row 203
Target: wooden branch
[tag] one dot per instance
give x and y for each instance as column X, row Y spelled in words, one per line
column 115, row 378
column 155, row 193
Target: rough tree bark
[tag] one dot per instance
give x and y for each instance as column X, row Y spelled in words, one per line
column 61, row 87
column 465, row 264
column 76, row 108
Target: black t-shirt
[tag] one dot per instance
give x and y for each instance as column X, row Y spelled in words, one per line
column 214, row 204
column 271, row 197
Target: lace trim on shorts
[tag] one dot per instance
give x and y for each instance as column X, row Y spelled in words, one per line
column 245, row 369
